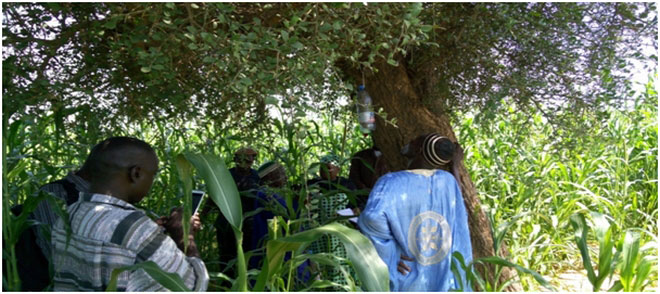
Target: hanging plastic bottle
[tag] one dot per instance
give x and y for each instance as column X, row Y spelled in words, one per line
column 365, row 111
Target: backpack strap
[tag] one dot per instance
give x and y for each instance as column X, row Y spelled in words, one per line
column 72, row 192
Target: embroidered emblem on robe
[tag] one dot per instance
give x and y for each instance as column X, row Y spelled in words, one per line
column 429, row 237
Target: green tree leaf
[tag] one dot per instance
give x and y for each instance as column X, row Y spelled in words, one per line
column 220, row 184
column 297, row 45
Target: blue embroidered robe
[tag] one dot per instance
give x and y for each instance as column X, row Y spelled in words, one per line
column 420, row 214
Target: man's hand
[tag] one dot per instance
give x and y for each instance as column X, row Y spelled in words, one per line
column 174, row 227
column 195, row 223
column 162, row 220
column 403, row 268
column 173, row 224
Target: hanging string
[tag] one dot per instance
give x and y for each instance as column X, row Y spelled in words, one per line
column 364, row 83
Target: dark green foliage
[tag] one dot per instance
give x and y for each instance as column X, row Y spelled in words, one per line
column 92, row 64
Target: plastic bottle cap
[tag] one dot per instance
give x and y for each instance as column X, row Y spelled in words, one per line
column 361, row 88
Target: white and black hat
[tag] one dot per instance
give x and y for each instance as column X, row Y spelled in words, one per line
column 431, row 150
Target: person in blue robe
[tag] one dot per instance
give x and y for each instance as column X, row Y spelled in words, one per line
column 416, row 218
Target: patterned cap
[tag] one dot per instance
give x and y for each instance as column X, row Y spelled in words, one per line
column 428, row 150
column 331, row 159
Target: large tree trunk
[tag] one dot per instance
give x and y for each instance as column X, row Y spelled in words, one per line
column 393, row 89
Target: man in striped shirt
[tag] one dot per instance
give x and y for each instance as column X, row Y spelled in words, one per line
column 108, row 232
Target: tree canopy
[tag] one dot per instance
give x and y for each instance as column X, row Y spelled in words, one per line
column 223, row 60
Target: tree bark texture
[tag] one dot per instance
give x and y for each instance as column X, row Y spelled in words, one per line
column 392, row 88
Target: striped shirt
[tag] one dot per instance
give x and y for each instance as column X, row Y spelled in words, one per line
column 107, row 233
column 45, row 214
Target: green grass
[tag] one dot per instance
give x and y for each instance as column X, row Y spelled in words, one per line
column 523, row 170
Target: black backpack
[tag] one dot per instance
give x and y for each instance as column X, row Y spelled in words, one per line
column 32, row 265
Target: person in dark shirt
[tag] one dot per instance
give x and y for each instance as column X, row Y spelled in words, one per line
column 247, row 182
column 244, row 175
column 331, row 188
column 329, row 178
column 366, row 167
column 269, row 198
column 273, row 179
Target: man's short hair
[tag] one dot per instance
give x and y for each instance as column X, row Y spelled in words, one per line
column 105, row 156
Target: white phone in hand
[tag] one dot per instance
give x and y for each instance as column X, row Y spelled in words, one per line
column 197, row 196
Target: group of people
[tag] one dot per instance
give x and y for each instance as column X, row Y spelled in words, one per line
column 415, row 218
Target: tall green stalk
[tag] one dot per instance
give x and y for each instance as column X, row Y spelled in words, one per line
column 241, row 282
column 13, row 280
